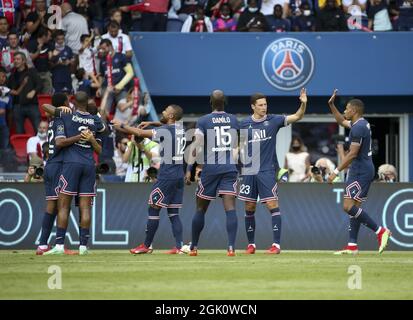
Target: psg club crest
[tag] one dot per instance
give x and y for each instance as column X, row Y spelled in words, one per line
column 287, row 64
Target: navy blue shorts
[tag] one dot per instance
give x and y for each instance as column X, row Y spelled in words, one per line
column 78, row 178
column 357, row 187
column 210, row 185
column 52, row 172
column 167, row 193
column 263, row 185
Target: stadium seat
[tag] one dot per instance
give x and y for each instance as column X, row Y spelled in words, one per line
column 28, row 128
column 174, row 25
column 19, row 142
column 43, row 99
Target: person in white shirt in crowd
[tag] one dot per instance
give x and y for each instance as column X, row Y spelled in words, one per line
column 378, row 14
column 321, row 170
column 120, row 41
column 297, row 161
column 387, row 173
column 88, row 59
column 75, row 25
column 198, row 22
column 267, row 7
column 7, row 54
column 121, row 166
column 34, row 144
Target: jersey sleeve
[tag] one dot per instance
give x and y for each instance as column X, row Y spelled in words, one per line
column 200, row 127
column 357, row 134
column 60, row 128
column 236, row 125
column 280, row 121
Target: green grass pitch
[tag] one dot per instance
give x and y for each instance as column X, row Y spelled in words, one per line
column 116, row 274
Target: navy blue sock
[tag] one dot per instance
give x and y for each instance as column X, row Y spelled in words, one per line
column 250, row 226
column 84, row 236
column 152, row 225
column 276, row 225
column 353, row 230
column 47, row 225
column 198, row 222
column 176, row 223
column 363, row 217
column 60, row 235
column 232, row 226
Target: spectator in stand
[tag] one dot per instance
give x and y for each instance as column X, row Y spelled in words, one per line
column 121, row 166
column 123, row 5
column 83, row 8
column 295, row 7
column 10, row 9
column 304, row 21
column 7, row 55
column 5, row 108
column 251, row 19
column 198, row 22
column 213, row 7
column 267, row 7
column 331, row 18
column 34, row 145
column 87, row 56
column 75, row 25
column 154, row 14
column 118, row 75
column 403, row 15
column 116, row 15
column 387, row 173
column 378, row 14
column 39, row 53
column 4, row 32
column 321, row 4
column 25, row 84
column 120, row 41
column 225, row 22
column 86, row 83
column 37, row 19
column 61, row 60
column 276, row 22
column 31, row 175
column 189, row 7
column 297, row 161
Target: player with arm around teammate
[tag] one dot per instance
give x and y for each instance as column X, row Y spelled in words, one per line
column 167, row 192
column 360, row 175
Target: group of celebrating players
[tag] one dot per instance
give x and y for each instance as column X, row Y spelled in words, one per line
column 238, row 160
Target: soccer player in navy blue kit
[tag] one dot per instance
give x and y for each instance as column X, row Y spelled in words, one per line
column 258, row 174
column 52, row 172
column 78, row 174
column 168, row 190
column 218, row 133
column 360, row 174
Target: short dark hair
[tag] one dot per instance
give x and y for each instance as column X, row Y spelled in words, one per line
column 113, row 24
column 82, row 99
column 178, row 111
column 83, row 37
column 11, row 33
column 358, row 105
column 257, row 96
column 80, row 73
column 58, row 33
column 19, row 53
column 3, row 70
column 43, row 32
column 107, row 42
column 59, row 99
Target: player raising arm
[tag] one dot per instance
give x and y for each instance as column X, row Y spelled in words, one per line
column 360, row 174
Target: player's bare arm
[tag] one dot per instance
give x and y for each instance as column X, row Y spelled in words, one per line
column 87, row 135
column 145, row 124
column 301, row 110
column 337, row 115
column 347, row 160
column 51, row 110
column 65, row 142
column 131, row 130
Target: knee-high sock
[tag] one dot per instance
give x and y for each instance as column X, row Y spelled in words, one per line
column 363, row 217
column 250, row 226
column 198, row 222
column 47, row 225
column 173, row 214
column 232, row 226
column 152, row 225
column 353, row 230
column 276, row 225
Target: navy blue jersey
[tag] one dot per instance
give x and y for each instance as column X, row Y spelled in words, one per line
column 172, row 144
column 62, row 73
column 74, row 124
column 264, row 132
column 220, row 132
column 119, row 62
column 56, row 129
column 360, row 133
column 86, row 86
